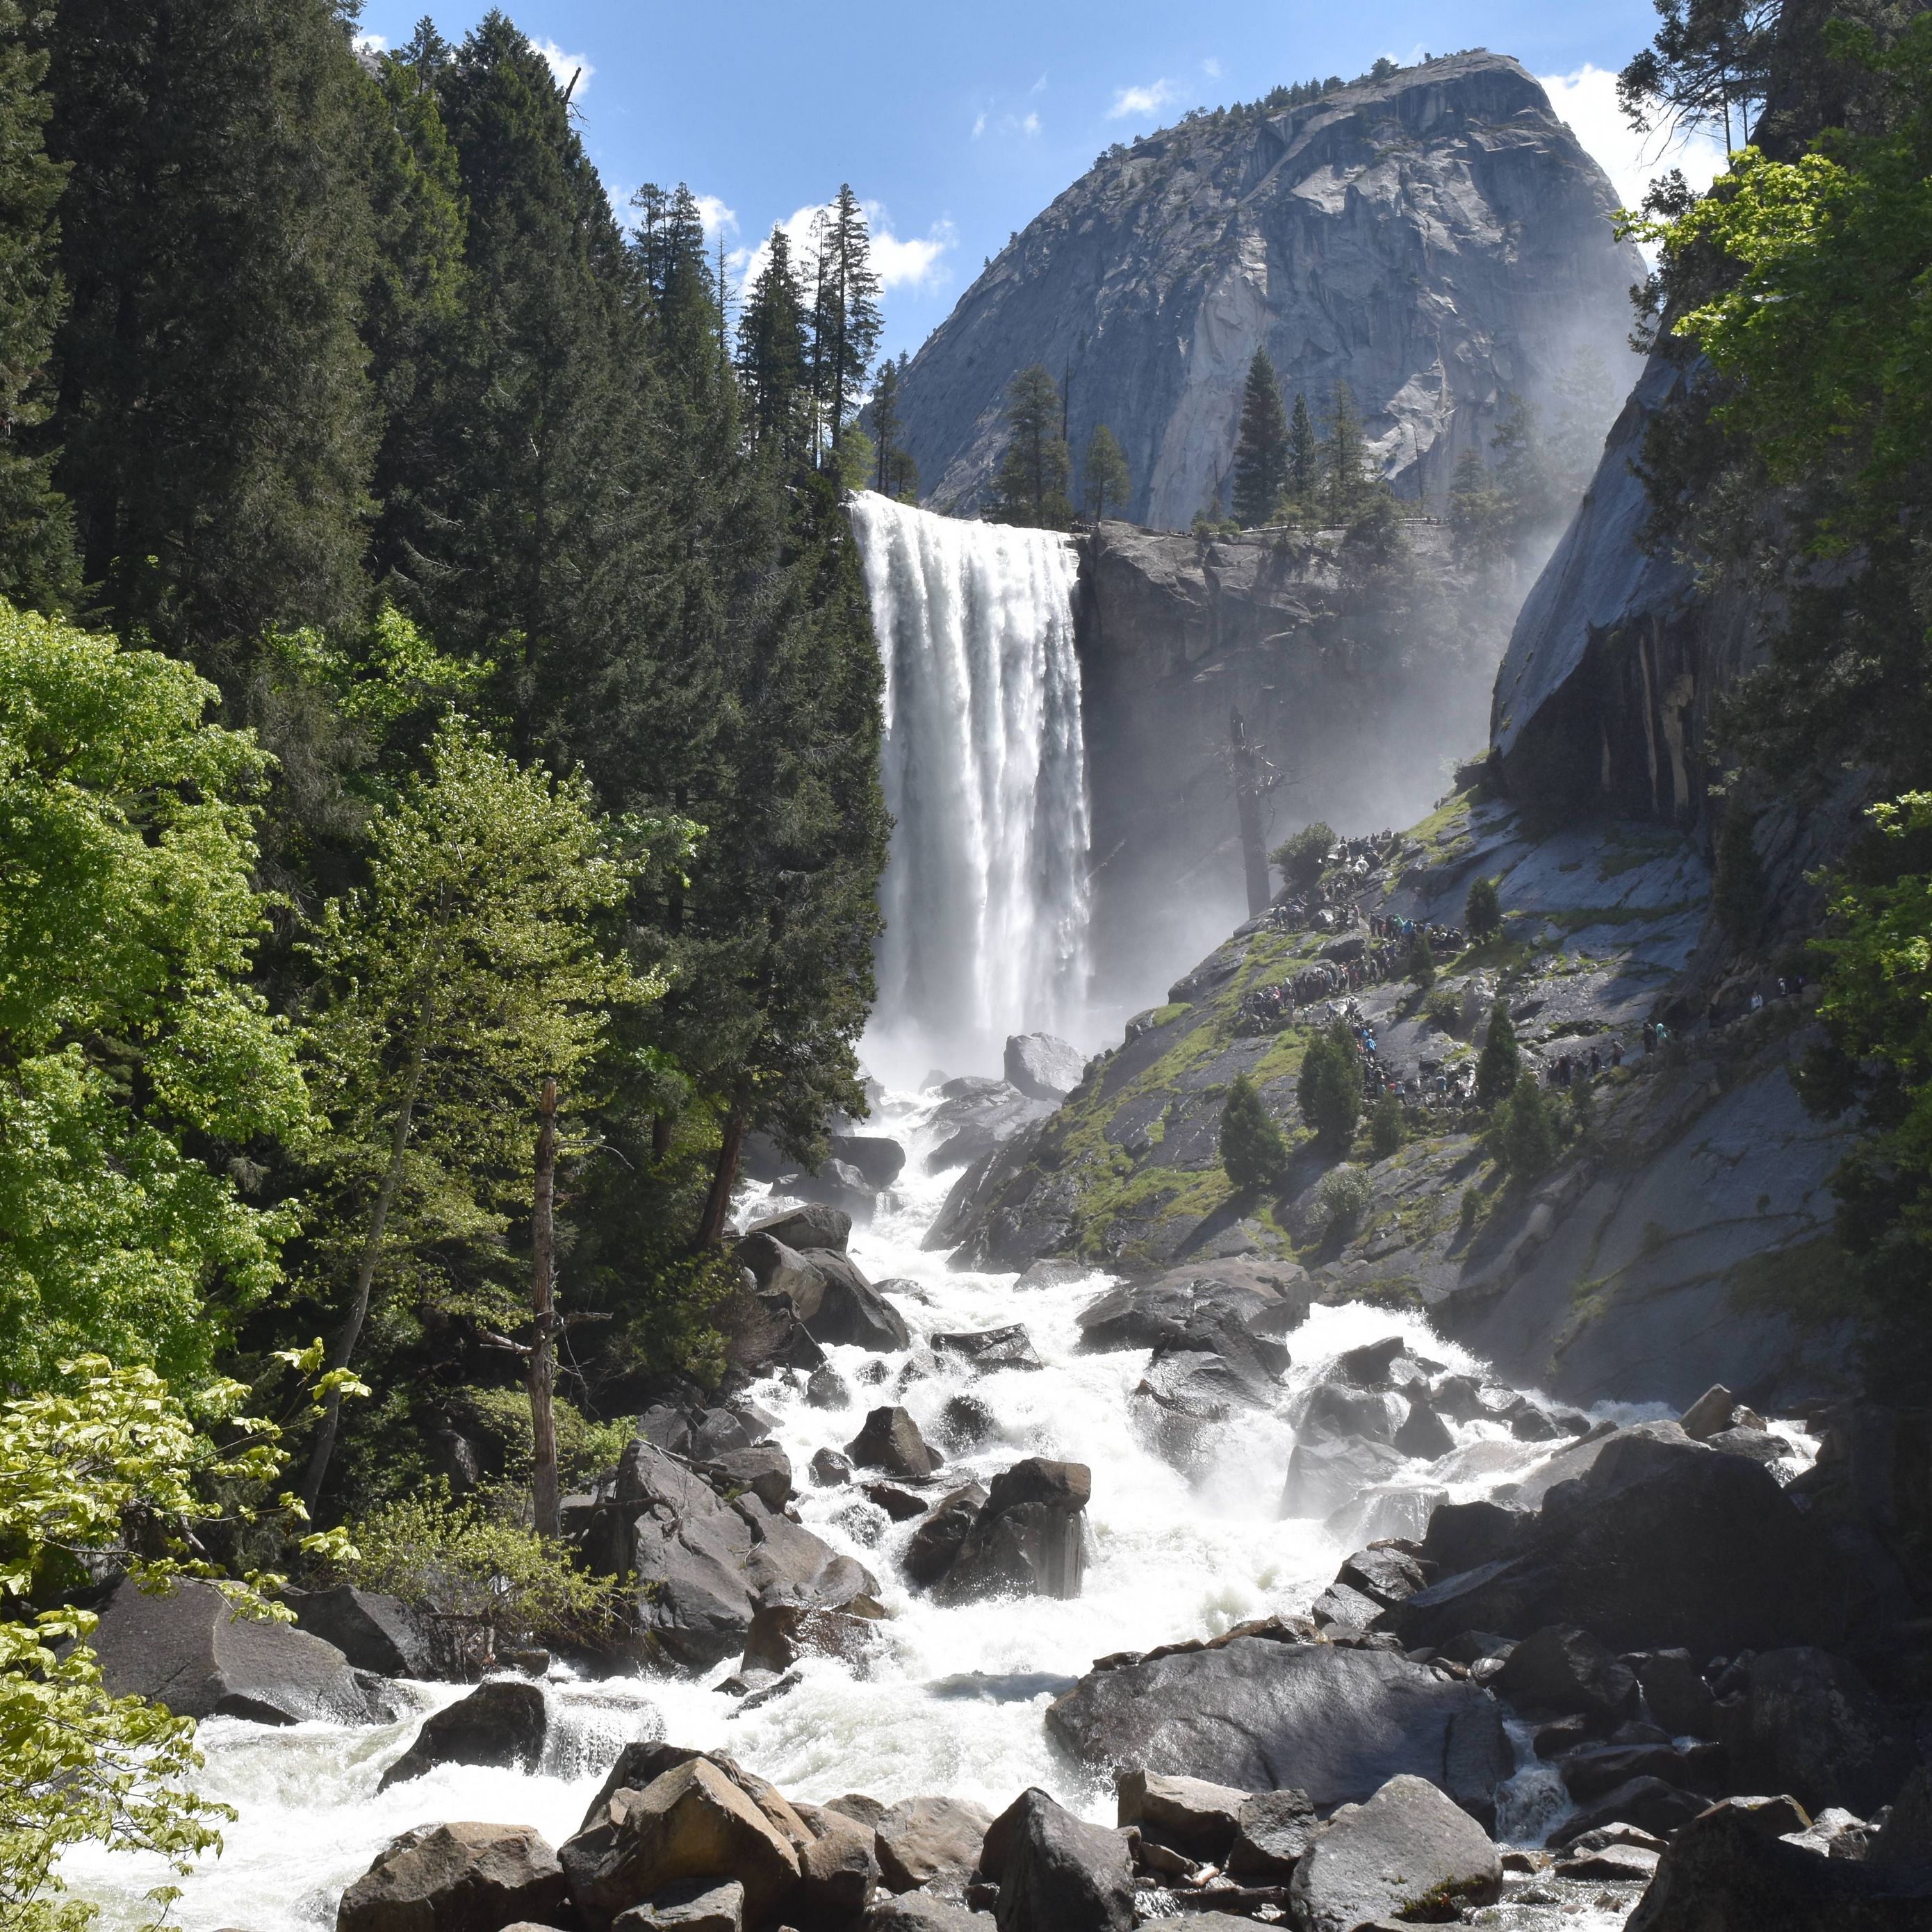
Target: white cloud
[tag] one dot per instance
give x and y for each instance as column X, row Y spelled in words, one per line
column 979, row 126
column 371, row 44
column 1030, row 125
column 1588, row 100
column 715, row 215
column 563, row 65
column 912, row 264
column 1211, row 67
column 1141, row 100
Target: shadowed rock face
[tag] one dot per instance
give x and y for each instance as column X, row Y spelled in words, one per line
column 1437, row 239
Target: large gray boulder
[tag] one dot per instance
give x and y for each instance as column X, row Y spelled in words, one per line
column 1029, row 1538
column 1186, row 1814
column 704, row 1566
column 850, row 1312
column 1561, row 1668
column 890, row 1441
column 692, row 1905
column 1808, row 1723
column 1268, row 1299
column 936, row 1542
column 460, row 1877
column 693, row 1822
column 500, row 1723
column 1408, row 1847
column 990, row 1350
column 813, row 1225
column 1043, row 1065
column 1055, row 1872
column 189, row 1651
column 1261, row 1714
column 372, row 1631
column 1324, row 1476
column 931, row 1843
column 1720, row 1872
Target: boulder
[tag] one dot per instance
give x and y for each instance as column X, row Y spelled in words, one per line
column 1407, row 1848
column 1461, row 1536
column 933, row 1843
column 1186, row 1814
column 967, row 1423
column 828, row 1389
column 829, row 1468
column 1710, row 1412
column 500, row 1723
column 1325, row 1476
column 921, row 1912
column 1807, row 1723
column 1261, row 1715
column 460, row 1877
column 189, row 1651
column 1029, row 1538
column 1675, row 1692
column 1423, row 1434
column 1561, row 1668
column 879, row 1159
column 936, row 1542
column 763, row 1334
column 372, row 1631
column 1905, row 1836
column 890, row 1441
column 1339, row 1412
column 1055, row 1872
column 696, row 1905
column 902, row 1505
column 1368, row 1367
column 1597, row 1770
column 779, row 1269
column 1720, row 1874
column 1268, row 1299
column 1648, row 1803
column 1341, row 1606
column 813, row 1225
column 780, row 1633
column 1658, row 1542
column 988, row 1350
column 851, row 1312
column 692, row 1822
column 838, row 1870
column 764, row 1469
column 1211, row 1365
column 1274, row 1829
column 1385, row 1572
column 1043, row 1067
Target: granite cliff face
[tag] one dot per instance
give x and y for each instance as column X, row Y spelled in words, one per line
column 1437, row 238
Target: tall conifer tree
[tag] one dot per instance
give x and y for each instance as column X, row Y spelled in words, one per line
column 771, row 351
column 1344, row 457
column 1304, row 455
column 1034, row 474
column 1261, row 455
column 847, row 322
column 215, row 407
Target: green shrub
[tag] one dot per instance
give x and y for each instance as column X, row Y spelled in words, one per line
column 1472, row 1208
column 1526, row 1138
column 1444, row 1009
column 1344, row 1192
column 1422, row 961
column 1253, row 1151
column 1301, row 858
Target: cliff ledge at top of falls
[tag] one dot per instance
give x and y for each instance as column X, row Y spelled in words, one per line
column 1437, row 238
column 1681, row 1240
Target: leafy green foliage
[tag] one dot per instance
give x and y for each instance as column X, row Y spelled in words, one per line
column 456, row 1560
column 1482, row 908
column 1345, row 1193
column 1500, row 1061
column 110, row 1467
column 1253, row 1150
column 1329, row 1088
column 1261, row 451
column 1034, row 474
column 1300, row 859
column 132, row 1045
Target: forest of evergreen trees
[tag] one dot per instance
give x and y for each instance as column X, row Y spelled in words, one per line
column 434, row 661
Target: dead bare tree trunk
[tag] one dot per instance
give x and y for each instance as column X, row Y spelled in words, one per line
column 543, row 1305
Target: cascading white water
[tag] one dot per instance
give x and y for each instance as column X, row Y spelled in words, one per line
column 985, row 898
column 954, row 1698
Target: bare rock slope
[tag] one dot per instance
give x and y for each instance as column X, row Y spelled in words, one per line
column 1437, row 238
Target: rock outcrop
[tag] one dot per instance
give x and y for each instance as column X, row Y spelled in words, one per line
column 460, row 1877
column 1447, row 200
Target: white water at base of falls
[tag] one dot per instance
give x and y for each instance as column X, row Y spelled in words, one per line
column 953, row 1701
column 985, row 896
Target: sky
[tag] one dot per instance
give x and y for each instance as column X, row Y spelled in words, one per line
column 957, row 123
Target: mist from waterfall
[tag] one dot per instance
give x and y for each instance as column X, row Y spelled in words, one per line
column 985, row 896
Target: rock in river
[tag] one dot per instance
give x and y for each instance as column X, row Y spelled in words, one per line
column 460, row 1877
column 1408, row 1851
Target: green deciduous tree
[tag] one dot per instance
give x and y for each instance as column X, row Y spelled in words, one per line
column 138, row 1062
column 468, row 969
column 1498, row 1065
column 1300, row 859
column 1104, row 480
column 217, row 416
column 38, row 567
column 1329, row 1089
column 1034, row 474
column 1253, row 1151
column 1262, row 449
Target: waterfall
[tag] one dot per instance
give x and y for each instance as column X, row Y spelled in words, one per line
column 985, row 895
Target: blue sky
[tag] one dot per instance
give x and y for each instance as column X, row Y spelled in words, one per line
column 957, row 123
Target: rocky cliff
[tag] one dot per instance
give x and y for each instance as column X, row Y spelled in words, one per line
column 1437, row 238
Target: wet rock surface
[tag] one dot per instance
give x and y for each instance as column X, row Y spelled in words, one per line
column 498, row 1724
column 460, row 1877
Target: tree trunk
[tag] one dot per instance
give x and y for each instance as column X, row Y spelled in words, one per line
column 543, row 1246
column 1248, row 810
column 724, row 1178
column 661, row 1128
column 343, row 1349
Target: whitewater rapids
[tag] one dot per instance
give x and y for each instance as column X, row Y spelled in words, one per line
column 953, row 1701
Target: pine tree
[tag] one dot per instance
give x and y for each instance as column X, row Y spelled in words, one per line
column 1104, row 479
column 38, row 567
column 1385, row 1126
column 1522, row 485
column 893, row 467
column 1526, row 1134
column 1475, row 513
column 1253, row 1150
column 216, row 412
column 1304, row 457
column 846, row 318
column 1422, row 960
column 1500, row 1061
column 771, row 351
column 1032, row 486
column 1483, row 910
column 1261, row 455
column 1344, row 457
column 1329, row 1088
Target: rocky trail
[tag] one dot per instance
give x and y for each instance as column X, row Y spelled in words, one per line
column 1082, row 1601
